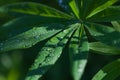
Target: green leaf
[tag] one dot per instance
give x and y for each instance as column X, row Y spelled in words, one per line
column 102, row 7
column 49, row 54
column 104, row 34
column 116, row 25
column 109, row 72
column 109, row 14
column 74, row 7
column 22, row 24
column 30, row 37
column 92, row 7
column 30, row 8
column 78, row 53
column 103, row 49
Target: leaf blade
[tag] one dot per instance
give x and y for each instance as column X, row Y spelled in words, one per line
column 109, row 14
column 103, row 49
column 74, row 8
column 104, row 34
column 30, row 8
column 101, row 7
column 56, row 51
column 30, row 37
column 22, row 24
column 78, row 53
column 109, row 72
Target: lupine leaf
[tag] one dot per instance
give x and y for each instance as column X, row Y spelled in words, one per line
column 103, row 49
column 91, row 7
column 116, row 25
column 22, row 24
column 78, row 51
column 104, row 34
column 30, row 8
column 109, row 72
column 74, row 8
column 102, row 7
column 30, row 37
column 49, row 54
column 109, row 14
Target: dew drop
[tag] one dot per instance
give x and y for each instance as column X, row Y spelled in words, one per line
column 51, row 55
column 53, row 29
column 1, row 44
column 1, row 48
column 114, row 42
column 47, row 60
column 65, row 31
column 36, row 60
column 80, row 70
column 25, row 46
column 36, row 37
column 17, row 40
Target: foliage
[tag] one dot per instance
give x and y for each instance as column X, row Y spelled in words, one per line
column 88, row 26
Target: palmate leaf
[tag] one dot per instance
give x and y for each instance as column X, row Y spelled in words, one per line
column 22, row 24
column 30, row 37
column 103, row 49
column 112, row 13
column 49, row 54
column 30, row 8
column 104, row 34
column 109, row 72
column 78, row 53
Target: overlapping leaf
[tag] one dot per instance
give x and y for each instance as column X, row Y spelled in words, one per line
column 104, row 49
column 30, row 37
column 105, row 34
column 49, row 54
column 30, row 8
column 110, row 14
column 109, row 72
column 25, row 23
column 78, row 51
column 116, row 25
column 92, row 7
column 74, row 6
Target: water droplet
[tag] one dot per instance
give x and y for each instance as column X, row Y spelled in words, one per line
column 65, row 31
column 17, row 40
column 53, row 29
column 1, row 48
column 51, row 55
column 114, row 42
column 47, row 60
column 43, row 63
column 80, row 70
column 36, row 60
column 36, row 37
column 1, row 44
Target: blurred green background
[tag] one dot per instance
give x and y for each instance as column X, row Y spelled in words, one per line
column 15, row 64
